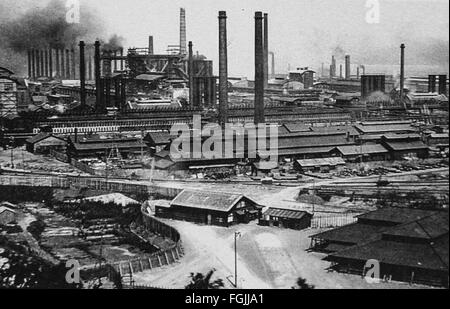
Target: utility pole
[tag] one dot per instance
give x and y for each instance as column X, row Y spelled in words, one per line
column 236, row 235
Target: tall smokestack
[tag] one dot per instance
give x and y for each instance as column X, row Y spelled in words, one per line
column 89, row 69
column 42, row 64
column 63, row 61
column 150, row 45
column 98, row 90
column 443, row 84
column 50, row 62
column 82, row 74
column 191, row 75
column 431, row 83
column 266, row 51
column 57, row 64
column 29, row 64
column 46, row 63
column 259, row 69
column 340, row 71
column 333, row 66
column 223, row 69
column 182, row 31
column 347, row 67
column 73, row 64
column 402, row 70
column 357, row 73
column 68, row 71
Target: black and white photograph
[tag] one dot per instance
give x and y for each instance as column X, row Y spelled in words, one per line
column 239, row 146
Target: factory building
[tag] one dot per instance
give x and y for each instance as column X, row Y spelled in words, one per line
column 210, row 208
column 411, row 245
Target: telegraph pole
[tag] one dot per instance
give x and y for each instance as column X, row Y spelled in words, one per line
column 236, row 235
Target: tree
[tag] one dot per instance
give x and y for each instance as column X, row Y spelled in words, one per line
column 201, row 282
column 22, row 270
column 303, row 285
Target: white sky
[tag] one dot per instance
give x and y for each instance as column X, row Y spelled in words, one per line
column 301, row 32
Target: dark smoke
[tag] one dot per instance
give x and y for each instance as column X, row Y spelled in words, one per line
column 115, row 43
column 44, row 27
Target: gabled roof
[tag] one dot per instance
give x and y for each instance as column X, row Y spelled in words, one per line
column 41, row 136
column 4, row 208
column 414, row 145
column 354, row 233
column 218, row 201
column 418, row 255
column 361, row 149
column 286, row 213
column 160, row 138
column 397, row 215
column 428, row 228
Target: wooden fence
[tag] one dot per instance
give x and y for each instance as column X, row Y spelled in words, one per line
column 65, row 182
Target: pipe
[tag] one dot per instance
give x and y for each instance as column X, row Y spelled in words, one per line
column 191, row 75
column 402, row 70
column 82, row 74
column 266, row 51
column 223, row 69
column 259, row 69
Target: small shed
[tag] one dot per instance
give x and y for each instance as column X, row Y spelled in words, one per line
column 286, row 218
column 44, row 142
column 319, row 165
column 7, row 215
column 211, row 208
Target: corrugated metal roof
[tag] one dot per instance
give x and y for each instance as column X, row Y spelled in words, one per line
column 414, row 145
column 285, row 213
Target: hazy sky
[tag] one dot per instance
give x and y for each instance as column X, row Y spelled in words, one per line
column 302, row 32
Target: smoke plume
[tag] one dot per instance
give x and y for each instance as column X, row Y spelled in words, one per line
column 36, row 27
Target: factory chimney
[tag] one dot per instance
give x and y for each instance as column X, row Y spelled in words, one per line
column 357, row 73
column 150, row 45
column 98, row 90
column 223, row 69
column 340, row 71
column 82, row 74
column 182, row 31
column 259, row 69
column 402, row 70
column 443, row 84
column 347, row 67
column 266, row 51
column 191, row 75
column 431, row 83
column 333, row 66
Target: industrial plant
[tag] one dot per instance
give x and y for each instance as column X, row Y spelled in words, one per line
column 141, row 165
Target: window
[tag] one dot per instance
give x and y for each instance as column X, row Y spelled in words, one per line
column 230, row 218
